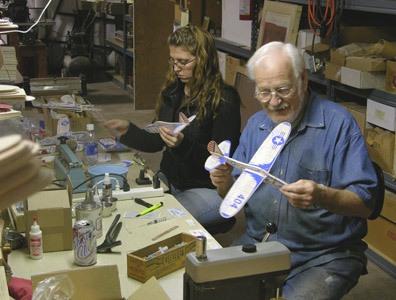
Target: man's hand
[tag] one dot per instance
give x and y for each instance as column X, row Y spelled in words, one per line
column 121, row 126
column 222, row 179
column 170, row 139
column 303, row 193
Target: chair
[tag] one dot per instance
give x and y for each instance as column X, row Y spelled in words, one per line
column 381, row 192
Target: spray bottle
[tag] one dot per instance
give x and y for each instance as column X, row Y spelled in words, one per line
column 36, row 241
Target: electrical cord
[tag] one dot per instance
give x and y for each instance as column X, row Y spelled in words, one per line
column 325, row 21
column 125, row 187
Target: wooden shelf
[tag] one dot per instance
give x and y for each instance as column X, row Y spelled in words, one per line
column 119, row 80
column 119, row 46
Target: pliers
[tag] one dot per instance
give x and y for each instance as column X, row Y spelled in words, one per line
column 111, row 237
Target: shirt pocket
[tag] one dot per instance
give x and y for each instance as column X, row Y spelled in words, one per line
column 319, row 175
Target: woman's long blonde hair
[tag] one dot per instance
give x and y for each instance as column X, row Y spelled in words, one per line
column 207, row 80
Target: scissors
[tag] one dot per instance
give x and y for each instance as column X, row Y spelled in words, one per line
column 111, row 237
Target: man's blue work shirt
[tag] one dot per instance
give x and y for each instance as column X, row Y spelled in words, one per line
column 327, row 147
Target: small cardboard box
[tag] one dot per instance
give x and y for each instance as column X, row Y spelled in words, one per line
column 389, row 207
column 381, row 115
column 337, row 58
column 90, row 283
column 305, row 38
column 380, row 144
column 381, row 238
column 78, row 120
column 141, row 269
column 358, row 112
column 18, row 218
column 390, row 85
column 362, row 80
column 366, row 63
column 231, row 66
column 54, row 216
column 332, row 71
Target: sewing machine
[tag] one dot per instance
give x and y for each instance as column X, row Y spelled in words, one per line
column 66, row 164
column 252, row 271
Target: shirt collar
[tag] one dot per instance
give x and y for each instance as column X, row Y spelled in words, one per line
column 313, row 115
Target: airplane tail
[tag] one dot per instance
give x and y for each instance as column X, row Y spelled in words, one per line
column 183, row 118
column 218, row 153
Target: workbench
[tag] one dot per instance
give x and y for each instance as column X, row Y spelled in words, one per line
column 132, row 236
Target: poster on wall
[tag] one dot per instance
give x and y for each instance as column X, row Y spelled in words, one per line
column 279, row 22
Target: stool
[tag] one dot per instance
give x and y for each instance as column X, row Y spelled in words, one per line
column 32, row 60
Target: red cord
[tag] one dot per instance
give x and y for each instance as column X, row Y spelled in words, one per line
column 330, row 6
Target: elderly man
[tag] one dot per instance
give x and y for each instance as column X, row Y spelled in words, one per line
column 321, row 214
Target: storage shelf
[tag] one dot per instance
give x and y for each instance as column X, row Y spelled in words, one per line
column 119, row 80
column 378, row 6
column 119, row 46
column 233, row 48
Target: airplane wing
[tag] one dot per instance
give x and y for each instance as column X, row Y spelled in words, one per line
column 174, row 126
column 240, row 193
column 250, row 179
column 218, row 153
column 269, row 150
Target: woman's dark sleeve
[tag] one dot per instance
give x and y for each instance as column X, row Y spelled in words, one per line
column 226, row 126
column 142, row 140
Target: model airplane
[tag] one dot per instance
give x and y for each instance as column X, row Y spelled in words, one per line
column 174, row 126
column 254, row 173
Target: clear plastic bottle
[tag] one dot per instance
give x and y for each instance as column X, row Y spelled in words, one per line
column 35, row 241
column 90, row 146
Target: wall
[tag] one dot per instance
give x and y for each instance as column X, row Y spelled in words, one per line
column 232, row 28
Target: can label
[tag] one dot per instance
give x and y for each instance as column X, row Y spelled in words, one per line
column 91, row 211
column 84, row 241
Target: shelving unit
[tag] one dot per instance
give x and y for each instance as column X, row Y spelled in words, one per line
column 152, row 24
column 387, row 7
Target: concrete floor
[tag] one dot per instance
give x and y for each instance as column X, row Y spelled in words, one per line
column 116, row 103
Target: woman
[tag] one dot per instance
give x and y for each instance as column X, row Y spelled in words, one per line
column 193, row 86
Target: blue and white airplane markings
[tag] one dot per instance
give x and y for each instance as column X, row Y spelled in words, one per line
column 254, row 173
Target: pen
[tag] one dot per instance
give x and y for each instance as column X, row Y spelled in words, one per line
column 154, row 207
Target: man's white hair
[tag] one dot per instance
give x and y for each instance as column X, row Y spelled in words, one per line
column 274, row 48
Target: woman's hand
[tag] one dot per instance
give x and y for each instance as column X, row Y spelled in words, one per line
column 121, row 126
column 170, row 139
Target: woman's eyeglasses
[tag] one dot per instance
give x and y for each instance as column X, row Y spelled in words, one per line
column 179, row 64
column 265, row 96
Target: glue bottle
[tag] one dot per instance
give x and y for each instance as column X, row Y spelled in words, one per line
column 36, row 241
column 90, row 146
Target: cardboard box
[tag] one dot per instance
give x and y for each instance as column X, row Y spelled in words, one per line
column 90, row 283
column 389, row 207
column 102, row 283
column 53, row 212
column 305, row 38
column 380, row 144
column 381, row 238
column 366, row 63
column 336, row 57
column 78, row 120
column 18, row 219
column 390, row 84
column 230, row 69
column 358, row 112
column 141, row 269
column 381, row 115
column 362, row 80
column 332, row 71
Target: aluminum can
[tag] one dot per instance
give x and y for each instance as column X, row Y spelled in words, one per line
column 91, row 211
column 84, row 241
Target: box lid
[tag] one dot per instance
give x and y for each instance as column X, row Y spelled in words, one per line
column 49, row 199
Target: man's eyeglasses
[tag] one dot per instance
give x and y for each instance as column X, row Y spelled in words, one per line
column 179, row 64
column 265, row 96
